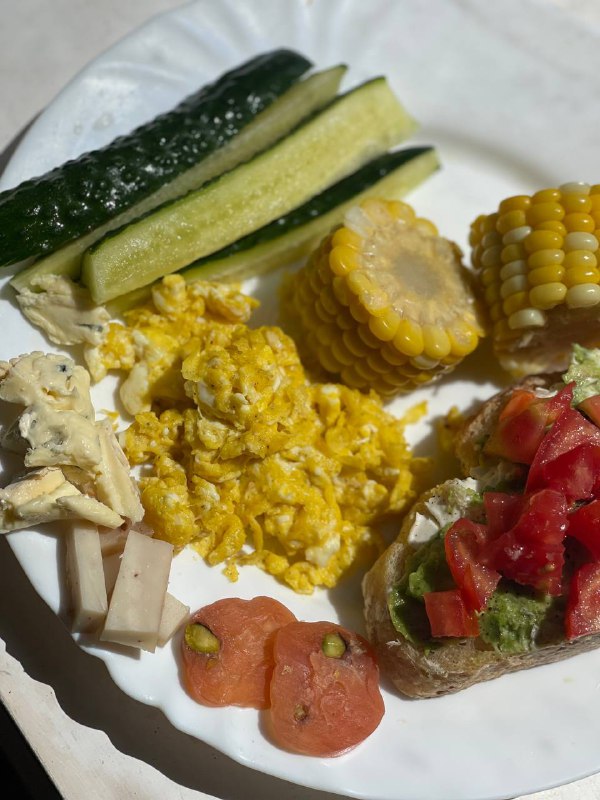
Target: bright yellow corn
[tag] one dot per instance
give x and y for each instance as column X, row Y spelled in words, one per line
column 536, row 260
column 384, row 302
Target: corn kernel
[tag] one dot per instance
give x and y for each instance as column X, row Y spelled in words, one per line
column 425, row 226
column 581, row 240
column 496, row 312
column 409, row 338
column 325, row 333
column 492, row 293
column 489, row 223
column 350, row 377
column 368, row 338
column 327, row 360
column 341, row 353
column 581, row 274
column 329, row 301
column 547, row 295
column 475, row 231
column 518, row 202
column 341, row 291
column 542, row 240
column 518, row 283
column 542, row 258
column 502, row 331
column 579, row 222
column 358, row 311
column 575, row 187
column 552, row 225
column 385, row 326
column 355, row 344
column 346, row 237
column 423, row 362
column 580, row 258
column 585, row 295
column 512, row 253
column 491, row 239
column 517, row 235
column 436, row 342
column 377, row 363
column 322, row 313
column 392, row 356
column 491, row 256
column 527, row 318
column 576, row 203
column 476, row 255
column 553, row 273
column 489, row 276
column 345, row 321
column 463, row 339
column 343, row 260
column 515, row 302
column 364, row 371
column 541, row 212
column 546, row 196
column 511, row 219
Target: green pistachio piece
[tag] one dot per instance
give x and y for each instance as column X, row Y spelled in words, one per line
column 200, row 639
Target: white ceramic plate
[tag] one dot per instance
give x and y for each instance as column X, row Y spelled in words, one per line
column 510, row 111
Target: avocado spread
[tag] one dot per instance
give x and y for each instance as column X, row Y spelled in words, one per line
column 515, row 619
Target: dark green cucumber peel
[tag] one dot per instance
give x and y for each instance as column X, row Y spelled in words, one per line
column 301, row 101
column 422, row 161
column 41, row 214
column 353, row 129
column 294, row 235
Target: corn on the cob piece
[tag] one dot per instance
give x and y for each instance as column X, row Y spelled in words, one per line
column 536, row 259
column 384, row 302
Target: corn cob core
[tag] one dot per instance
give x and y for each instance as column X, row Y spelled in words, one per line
column 384, row 303
column 536, row 259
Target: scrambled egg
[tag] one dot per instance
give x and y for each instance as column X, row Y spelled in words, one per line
column 246, row 459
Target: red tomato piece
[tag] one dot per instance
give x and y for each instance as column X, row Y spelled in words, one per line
column 523, row 422
column 449, row 616
column 574, row 473
column 532, row 551
column 518, row 437
column 519, row 400
column 464, row 544
column 323, row 705
column 583, row 606
column 584, row 525
column 240, row 672
column 570, row 430
column 591, row 407
column 502, row 511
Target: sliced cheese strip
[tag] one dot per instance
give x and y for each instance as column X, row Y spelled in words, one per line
column 137, row 601
column 174, row 615
column 112, row 565
column 85, row 576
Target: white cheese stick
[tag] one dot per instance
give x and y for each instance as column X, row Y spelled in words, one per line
column 85, row 576
column 136, row 606
column 174, row 615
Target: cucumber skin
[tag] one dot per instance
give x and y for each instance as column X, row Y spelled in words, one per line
column 40, row 214
column 322, row 203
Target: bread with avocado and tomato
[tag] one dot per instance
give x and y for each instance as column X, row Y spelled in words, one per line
column 499, row 571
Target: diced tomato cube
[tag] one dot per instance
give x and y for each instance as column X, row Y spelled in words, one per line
column 518, row 437
column 532, row 551
column 584, row 525
column 571, row 430
column 464, row 543
column 449, row 616
column 583, row 606
column 502, row 511
column 574, row 473
column 523, row 422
